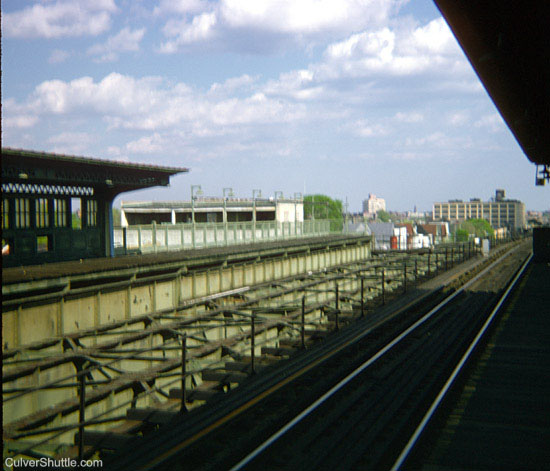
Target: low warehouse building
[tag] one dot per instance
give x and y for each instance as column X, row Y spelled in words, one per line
column 212, row 210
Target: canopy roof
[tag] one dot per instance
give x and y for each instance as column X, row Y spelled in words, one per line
column 508, row 45
column 104, row 176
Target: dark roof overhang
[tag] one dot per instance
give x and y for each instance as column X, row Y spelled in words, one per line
column 104, row 176
column 508, row 45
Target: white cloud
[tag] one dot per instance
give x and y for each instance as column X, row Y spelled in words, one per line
column 126, row 40
column 69, row 137
column 169, row 7
column 370, row 58
column 57, row 56
column 146, row 145
column 396, row 52
column 70, row 142
column 297, row 84
column 409, row 117
column 116, row 93
column 459, row 118
column 378, row 44
column 411, row 156
column 493, row 123
column 434, row 38
column 114, row 151
column 17, row 116
column 440, row 141
column 21, row 121
column 255, row 109
column 365, row 128
column 338, row 92
column 436, row 139
column 304, row 16
column 151, row 104
column 59, row 19
column 201, row 28
column 269, row 21
column 233, row 84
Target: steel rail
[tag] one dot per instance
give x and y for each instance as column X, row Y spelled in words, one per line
column 250, row 402
column 334, row 274
column 427, row 417
column 283, row 430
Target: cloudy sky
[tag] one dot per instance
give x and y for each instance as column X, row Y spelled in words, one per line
column 341, row 97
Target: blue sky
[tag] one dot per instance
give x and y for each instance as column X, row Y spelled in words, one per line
column 345, row 98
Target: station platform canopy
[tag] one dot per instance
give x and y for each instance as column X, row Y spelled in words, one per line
column 59, row 207
column 104, row 176
column 508, row 45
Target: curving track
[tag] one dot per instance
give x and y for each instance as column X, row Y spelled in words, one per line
column 353, row 403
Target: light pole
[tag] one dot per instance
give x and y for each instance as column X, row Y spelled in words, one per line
column 346, row 216
column 229, row 193
column 278, row 194
column 199, row 192
column 255, row 193
column 297, row 197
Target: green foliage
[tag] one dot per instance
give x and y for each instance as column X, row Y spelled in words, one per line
column 384, row 216
column 324, row 207
column 477, row 227
column 76, row 221
column 462, row 235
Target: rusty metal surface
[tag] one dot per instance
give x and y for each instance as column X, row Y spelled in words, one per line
column 165, row 260
column 273, row 304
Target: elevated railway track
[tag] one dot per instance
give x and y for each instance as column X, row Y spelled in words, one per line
column 136, row 365
column 348, row 403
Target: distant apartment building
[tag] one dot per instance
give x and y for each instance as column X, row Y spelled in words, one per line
column 372, row 205
column 499, row 211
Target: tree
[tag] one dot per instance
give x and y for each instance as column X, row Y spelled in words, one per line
column 324, row 207
column 478, row 227
column 384, row 216
column 462, row 235
column 76, row 221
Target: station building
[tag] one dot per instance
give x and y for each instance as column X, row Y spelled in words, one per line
column 59, row 207
column 499, row 211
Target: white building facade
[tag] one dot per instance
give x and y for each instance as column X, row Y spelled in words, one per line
column 372, row 205
column 212, row 210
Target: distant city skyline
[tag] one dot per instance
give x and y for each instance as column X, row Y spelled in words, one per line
column 340, row 98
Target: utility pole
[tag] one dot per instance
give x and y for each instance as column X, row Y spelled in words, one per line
column 346, row 216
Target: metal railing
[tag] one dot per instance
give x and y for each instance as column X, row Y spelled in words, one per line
column 164, row 237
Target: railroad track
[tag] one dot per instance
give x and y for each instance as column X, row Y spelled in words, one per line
column 114, row 360
column 349, row 404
